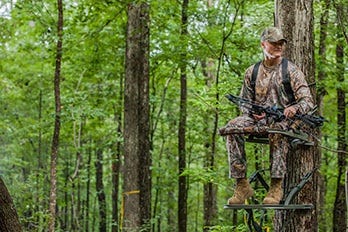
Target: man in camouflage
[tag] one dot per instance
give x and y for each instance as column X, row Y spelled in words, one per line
column 268, row 91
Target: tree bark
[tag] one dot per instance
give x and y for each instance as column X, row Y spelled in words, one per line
column 137, row 158
column 295, row 18
column 182, row 201
column 340, row 208
column 144, row 122
column 55, row 139
column 9, row 221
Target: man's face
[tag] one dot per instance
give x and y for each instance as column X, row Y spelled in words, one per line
column 275, row 49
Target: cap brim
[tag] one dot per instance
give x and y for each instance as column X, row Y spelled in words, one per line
column 274, row 41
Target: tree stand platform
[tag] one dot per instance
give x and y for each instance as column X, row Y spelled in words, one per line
column 285, row 205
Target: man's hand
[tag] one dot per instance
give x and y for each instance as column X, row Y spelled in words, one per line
column 290, row 112
column 259, row 117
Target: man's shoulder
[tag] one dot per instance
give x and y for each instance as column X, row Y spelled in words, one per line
column 293, row 69
column 292, row 66
column 249, row 70
column 251, row 67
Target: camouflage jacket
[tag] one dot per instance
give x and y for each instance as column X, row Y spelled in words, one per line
column 269, row 89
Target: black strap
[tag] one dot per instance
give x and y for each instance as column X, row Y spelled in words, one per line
column 253, row 77
column 285, row 81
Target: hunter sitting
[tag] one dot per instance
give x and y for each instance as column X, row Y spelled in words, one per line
column 274, row 81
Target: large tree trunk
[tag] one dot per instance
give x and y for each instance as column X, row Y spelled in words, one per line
column 55, row 138
column 137, row 159
column 295, row 18
column 182, row 201
column 340, row 207
column 9, row 221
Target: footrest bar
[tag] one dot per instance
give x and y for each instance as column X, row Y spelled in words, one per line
column 277, row 207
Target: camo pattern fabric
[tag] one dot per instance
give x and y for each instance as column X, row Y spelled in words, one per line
column 270, row 91
column 279, row 147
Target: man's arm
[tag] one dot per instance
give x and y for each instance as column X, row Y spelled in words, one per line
column 247, row 92
column 304, row 100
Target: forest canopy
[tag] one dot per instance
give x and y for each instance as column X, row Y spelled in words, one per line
column 222, row 40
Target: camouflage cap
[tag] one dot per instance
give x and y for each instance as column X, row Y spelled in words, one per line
column 272, row 34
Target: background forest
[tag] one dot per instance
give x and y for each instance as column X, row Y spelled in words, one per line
column 222, row 41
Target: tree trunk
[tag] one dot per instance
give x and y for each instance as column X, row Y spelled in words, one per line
column 88, row 184
column 9, row 221
column 340, row 207
column 64, row 221
column 144, row 123
column 40, row 165
column 295, row 18
column 182, row 201
column 210, row 190
column 116, row 165
column 137, row 159
column 55, row 139
column 100, row 190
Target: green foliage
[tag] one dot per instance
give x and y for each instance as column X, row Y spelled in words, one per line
column 224, row 36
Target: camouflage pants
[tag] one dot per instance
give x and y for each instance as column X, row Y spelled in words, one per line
column 279, row 147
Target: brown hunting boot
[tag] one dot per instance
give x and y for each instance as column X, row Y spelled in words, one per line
column 242, row 191
column 275, row 192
